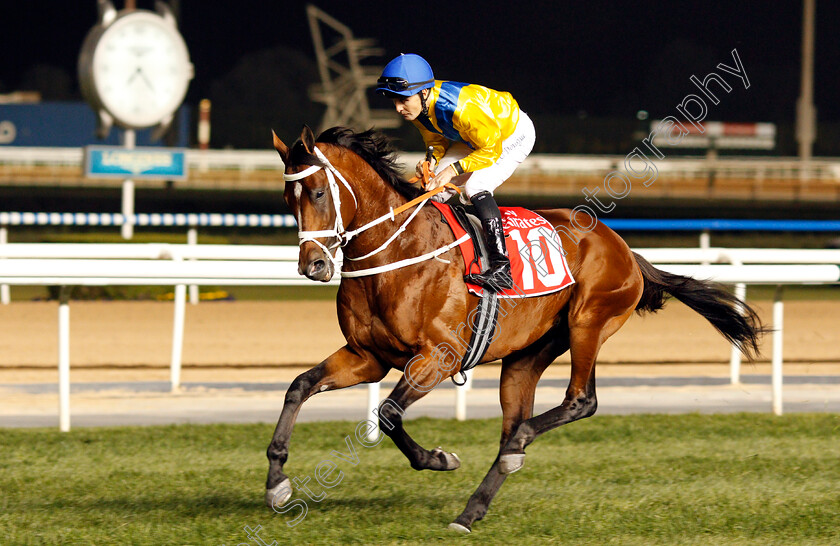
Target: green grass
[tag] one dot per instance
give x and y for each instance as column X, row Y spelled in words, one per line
column 315, row 291
column 690, row 479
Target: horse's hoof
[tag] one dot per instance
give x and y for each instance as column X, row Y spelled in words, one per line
column 508, row 464
column 458, row 528
column 279, row 494
column 451, row 459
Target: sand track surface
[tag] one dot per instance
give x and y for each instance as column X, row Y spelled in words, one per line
column 300, row 334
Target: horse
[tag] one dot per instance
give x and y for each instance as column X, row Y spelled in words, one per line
column 402, row 295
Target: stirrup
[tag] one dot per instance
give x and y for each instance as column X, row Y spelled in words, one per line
column 492, row 279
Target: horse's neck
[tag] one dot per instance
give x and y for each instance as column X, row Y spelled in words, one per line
column 376, row 198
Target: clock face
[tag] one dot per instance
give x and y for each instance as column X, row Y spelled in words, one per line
column 141, row 69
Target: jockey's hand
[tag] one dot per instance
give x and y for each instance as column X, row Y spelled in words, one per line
column 442, row 178
column 419, row 168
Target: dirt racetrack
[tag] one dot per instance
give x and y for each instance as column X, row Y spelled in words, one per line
column 218, row 335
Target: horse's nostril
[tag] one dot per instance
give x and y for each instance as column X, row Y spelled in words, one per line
column 316, row 268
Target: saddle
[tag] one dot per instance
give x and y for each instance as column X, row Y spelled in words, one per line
column 537, row 259
column 543, row 272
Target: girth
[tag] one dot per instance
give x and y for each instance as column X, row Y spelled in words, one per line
column 484, row 319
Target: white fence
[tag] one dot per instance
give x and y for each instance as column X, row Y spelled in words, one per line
column 778, row 267
column 793, row 272
column 181, row 265
column 69, row 265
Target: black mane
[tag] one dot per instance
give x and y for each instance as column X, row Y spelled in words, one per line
column 372, row 146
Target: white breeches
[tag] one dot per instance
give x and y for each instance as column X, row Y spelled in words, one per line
column 515, row 149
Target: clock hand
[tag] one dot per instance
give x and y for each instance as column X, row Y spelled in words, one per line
column 145, row 79
column 142, row 75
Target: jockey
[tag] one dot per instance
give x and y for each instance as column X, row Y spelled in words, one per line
column 479, row 137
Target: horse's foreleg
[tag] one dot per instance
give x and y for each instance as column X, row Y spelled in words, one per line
column 344, row 368
column 516, row 393
column 391, row 423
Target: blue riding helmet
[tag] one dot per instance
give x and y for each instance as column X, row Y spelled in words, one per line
column 406, row 75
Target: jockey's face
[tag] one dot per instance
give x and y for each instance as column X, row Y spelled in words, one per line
column 409, row 107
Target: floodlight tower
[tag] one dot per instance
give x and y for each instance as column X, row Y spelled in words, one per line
column 344, row 81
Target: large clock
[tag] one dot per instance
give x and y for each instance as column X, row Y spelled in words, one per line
column 134, row 67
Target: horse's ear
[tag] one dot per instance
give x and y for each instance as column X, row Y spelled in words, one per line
column 308, row 138
column 281, row 148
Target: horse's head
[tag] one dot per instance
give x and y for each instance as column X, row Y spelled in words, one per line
column 321, row 200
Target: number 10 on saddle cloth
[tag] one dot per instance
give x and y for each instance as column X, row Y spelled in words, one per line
column 538, row 262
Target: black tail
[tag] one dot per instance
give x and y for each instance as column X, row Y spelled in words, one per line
column 737, row 321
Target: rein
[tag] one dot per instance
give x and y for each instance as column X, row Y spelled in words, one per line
column 344, row 236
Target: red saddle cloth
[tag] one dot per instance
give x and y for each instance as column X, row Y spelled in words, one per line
column 537, row 259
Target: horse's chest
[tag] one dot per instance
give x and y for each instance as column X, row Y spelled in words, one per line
column 385, row 336
column 379, row 331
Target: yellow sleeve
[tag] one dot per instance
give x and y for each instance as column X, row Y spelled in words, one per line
column 436, row 141
column 477, row 123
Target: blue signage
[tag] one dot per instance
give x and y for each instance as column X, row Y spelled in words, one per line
column 72, row 124
column 140, row 163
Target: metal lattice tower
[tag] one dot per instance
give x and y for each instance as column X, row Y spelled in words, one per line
column 344, row 81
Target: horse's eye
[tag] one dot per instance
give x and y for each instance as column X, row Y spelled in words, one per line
column 319, row 194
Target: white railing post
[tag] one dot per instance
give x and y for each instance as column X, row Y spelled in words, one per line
column 192, row 240
column 778, row 333
column 373, row 415
column 461, row 397
column 178, row 336
column 127, row 229
column 705, row 244
column 5, row 296
column 735, row 354
column 64, row 359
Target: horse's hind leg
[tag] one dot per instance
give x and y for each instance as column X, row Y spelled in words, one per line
column 344, row 368
column 580, row 401
column 516, row 393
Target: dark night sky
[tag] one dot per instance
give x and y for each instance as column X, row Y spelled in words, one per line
column 602, row 57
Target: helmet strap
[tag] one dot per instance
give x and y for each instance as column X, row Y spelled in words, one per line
column 425, row 107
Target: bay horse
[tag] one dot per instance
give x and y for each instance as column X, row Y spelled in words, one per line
column 394, row 310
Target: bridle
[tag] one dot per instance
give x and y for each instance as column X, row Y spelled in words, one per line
column 343, row 236
column 338, row 231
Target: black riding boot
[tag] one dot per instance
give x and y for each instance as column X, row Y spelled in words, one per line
column 498, row 275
